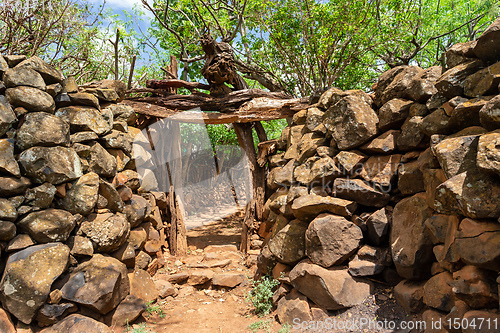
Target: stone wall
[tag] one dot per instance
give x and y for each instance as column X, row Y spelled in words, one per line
column 401, row 185
column 74, row 214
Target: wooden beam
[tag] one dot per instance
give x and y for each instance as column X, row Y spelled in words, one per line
column 211, row 118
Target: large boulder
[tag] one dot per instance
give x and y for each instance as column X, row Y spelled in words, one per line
column 288, row 245
column 11, row 186
column 451, row 83
column 483, row 82
column 8, row 163
column 102, row 162
column 383, row 144
column 23, row 76
column 84, row 118
column 471, row 193
column 411, row 247
column 42, row 129
column 307, row 207
column 331, row 239
column 489, row 115
column 460, row 53
column 422, row 85
column 107, row 231
column 438, row 293
column 476, row 287
column 487, row 45
column 50, row 225
column 77, row 323
column 350, row 161
column 55, row 165
column 476, row 243
column 28, row 277
column 99, row 284
column 49, row 73
column 136, row 210
column 331, row 289
column 292, row 307
column 7, row 116
column 457, row 154
column 411, row 137
column 351, row 122
column 360, row 191
column 31, row 99
column 488, row 152
column 466, row 114
column 83, row 195
column 393, row 113
column 396, row 83
column 381, row 170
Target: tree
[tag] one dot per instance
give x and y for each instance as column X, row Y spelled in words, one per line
column 300, row 46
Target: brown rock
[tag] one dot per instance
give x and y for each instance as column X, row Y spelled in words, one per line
column 136, row 210
column 200, row 277
column 10, row 186
column 460, row 53
column 410, row 295
column 410, row 178
column 483, row 82
column 422, row 85
column 7, row 231
column 360, row 192
column 438, row 293
column 40, row 196
column 378, row 226
column 80, row 246
column 476, row 243
column 165, row 288
column 293, row 307
column 51, row 164
column 82, row 197
column 432, row 179
column 108, row 191
column 438, row 122
column 8, row 164
column 411, row 137
column 84, row 118
column 50, row 225
column 142, row 286
column 126, row 254
column 410, row 245
column 7, row 116
column 393, row 113
column 351, row 121
column 102, row 162
column 288, row 245
column 6, row 324
column 128, row 311
column 456, row 155
column 107, row 231
column 28, row 277
column 451, row 83
column 438, row 226
column 486, row 47
column 30, row 98
column 7, row 210
column 307, row 207
column 19, row 242
column 228, row 280
column 381, row 170
column 488, row 152
column 99, row 284
column 350, row 161
column 23, row 76
column 330, row 240
column 489, row 115
column 78, row 323
column 466, row 114
column 332, row 289
column 396, row 83
column 485, row 317
column 49, row 73
column 383, row 144
column 476, row 286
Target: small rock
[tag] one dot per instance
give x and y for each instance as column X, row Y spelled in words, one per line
column 78, row 323
column 50, row 225
column 438, row 293
column 200, row 277
column 128, row 311
column 410, row 294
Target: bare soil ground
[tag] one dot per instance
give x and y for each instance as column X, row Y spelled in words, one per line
column 227, row 311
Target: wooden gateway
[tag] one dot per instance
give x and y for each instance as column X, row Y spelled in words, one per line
column 242, row 107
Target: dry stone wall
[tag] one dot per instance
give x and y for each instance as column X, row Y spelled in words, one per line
column 401, row 185
column 74, row 215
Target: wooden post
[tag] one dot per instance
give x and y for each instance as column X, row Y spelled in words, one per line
column 254, row 208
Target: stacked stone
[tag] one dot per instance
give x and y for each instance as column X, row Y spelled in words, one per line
column 405, row 180
column 69, row 208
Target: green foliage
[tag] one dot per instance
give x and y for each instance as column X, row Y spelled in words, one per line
column 154, row 308
column 140, row 328
column 264, row 325
column 286, row 328
column 261, row 295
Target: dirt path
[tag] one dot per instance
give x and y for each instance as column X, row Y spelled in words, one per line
column 220, row 310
